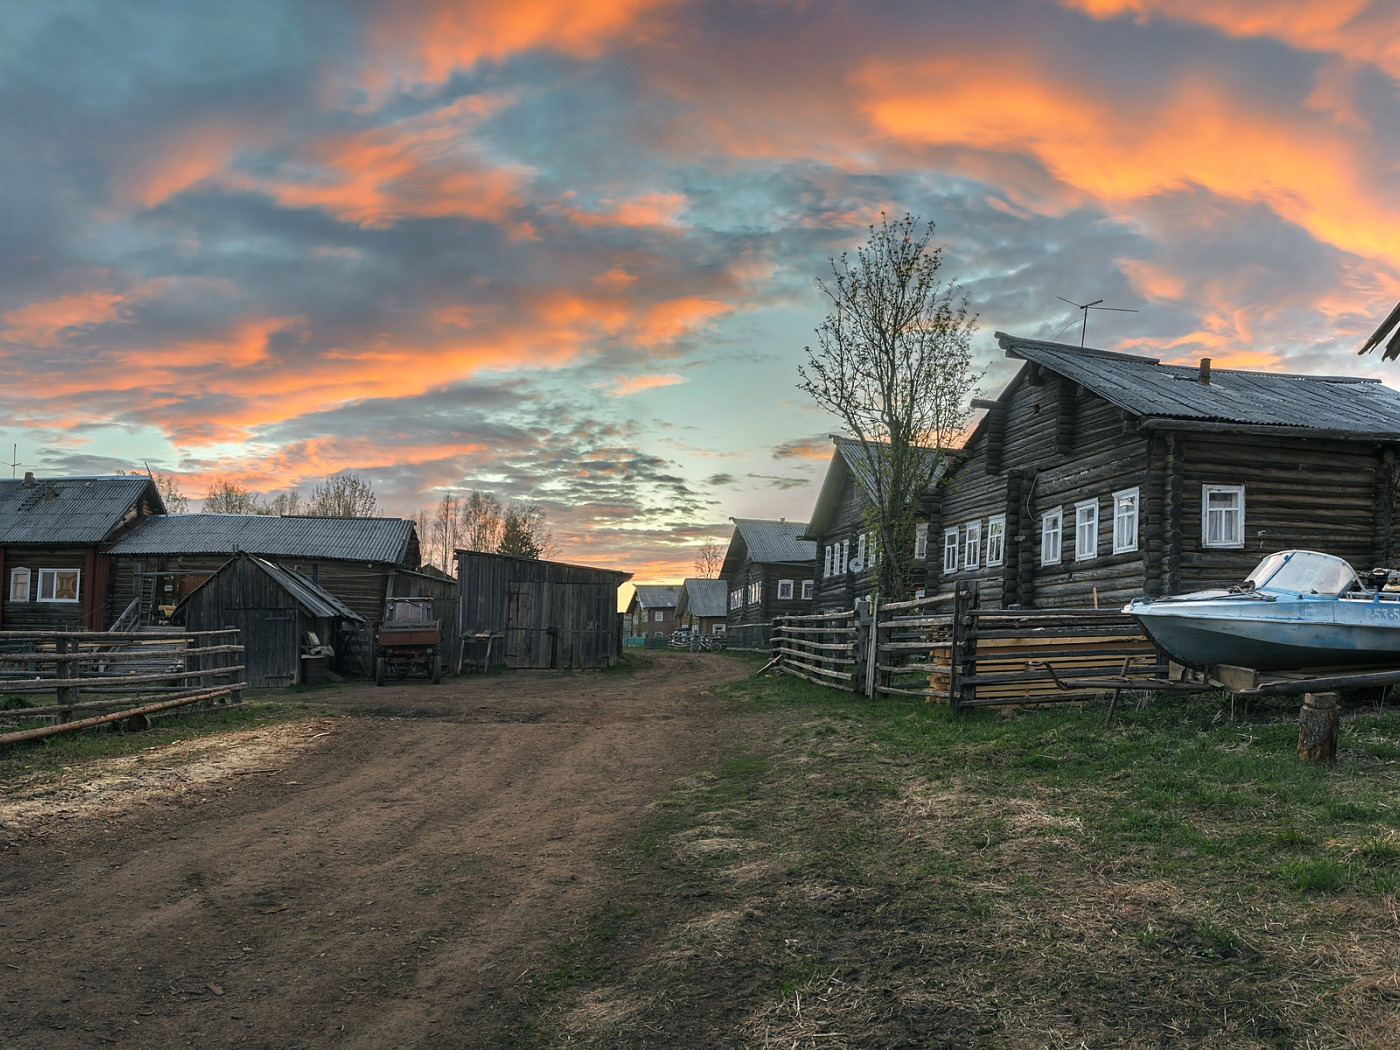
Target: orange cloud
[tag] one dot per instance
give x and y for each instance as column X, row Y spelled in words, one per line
column 44, row 324
column 651, row 209
column 425, row 41
column 634, row 385
column 185, row 159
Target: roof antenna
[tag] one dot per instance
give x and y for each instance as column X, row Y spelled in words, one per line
column 14, row 459
column 1084, row 308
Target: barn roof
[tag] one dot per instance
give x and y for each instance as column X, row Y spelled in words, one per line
column 316, row 600
column 342, row 539
column 657, row 596
column 773, row 541
column 69, row 510
column 850, row 464
column 703, row 598
column 1343, row 406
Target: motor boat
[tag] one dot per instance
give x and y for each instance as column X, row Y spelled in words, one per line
column 1297, row 609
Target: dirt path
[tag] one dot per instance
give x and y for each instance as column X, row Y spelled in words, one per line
column 394, row 881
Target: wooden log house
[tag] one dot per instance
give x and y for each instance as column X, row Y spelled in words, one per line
column 1096, row 477
column 54, row 534
column 651, row 611
column 702, row 606
column 844, row 567
column 767, row 570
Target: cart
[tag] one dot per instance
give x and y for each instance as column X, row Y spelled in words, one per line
column 410, row 640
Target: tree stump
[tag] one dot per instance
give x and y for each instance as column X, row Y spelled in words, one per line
column 1317, row 728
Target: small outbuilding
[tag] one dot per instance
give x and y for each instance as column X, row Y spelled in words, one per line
column 524, row 612
column 282, row 617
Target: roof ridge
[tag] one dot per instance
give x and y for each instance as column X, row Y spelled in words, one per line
column 1009, row 342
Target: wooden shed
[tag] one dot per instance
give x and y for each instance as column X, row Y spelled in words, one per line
column 1095, row 477
column 275, row 609
column 522, row 612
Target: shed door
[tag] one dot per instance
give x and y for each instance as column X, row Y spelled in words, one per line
column 271, row 645
column 529, row 642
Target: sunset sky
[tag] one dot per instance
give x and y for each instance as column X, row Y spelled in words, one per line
column 565, row 250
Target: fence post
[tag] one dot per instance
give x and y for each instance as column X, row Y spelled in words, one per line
column 964, row 655
column 66, row 695
column 235, row 696
column 872, row 654
column 775, row 642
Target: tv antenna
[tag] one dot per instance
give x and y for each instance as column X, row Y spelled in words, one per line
column 1084, row 309
column 14, row 459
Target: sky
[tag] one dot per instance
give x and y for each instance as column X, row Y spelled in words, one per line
column 566, row 251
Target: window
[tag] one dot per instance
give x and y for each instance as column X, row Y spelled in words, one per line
column 58, row 585
column 845, row 556
column 807, row 588
column 755, row 592
column 1086, row 530
column 718, row 628
column 1051, row 526
column 860, row 549
column 826, row 565
column 19, row 585
column 736, row 598
column 972, row 545
column 996, row 540
column 950, row 550
column 659, row 616
column 1125, row 521
column 921, row 541
column 784, row 590
column 1222, row 515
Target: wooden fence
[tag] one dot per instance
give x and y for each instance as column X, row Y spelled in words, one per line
column 108, row 676
column 947, row 649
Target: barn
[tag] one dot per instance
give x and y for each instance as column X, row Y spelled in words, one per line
column 524, row 612
column 275, row 609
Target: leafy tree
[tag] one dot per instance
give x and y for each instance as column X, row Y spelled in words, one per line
column 709, row 559
column 525, row 532
column 894, row 363
column 230, row 497
column 343, row 495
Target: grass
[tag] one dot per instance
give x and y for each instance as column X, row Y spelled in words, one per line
column 875, row 874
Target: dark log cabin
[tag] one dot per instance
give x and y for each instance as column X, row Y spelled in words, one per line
column 702, row 606
column 651, row 611
column 845, row 555
column 53, row 538
column 767, row 570
column 1100, row 476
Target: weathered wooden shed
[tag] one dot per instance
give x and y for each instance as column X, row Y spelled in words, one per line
column 534, row 613
column 1101, row 476
column 274, row 608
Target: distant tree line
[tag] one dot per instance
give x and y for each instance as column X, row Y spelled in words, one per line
column 479, row 521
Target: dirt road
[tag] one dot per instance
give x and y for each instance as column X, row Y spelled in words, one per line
column 389, row 878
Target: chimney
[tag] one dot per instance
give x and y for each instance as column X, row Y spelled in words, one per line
column 1205, row 371
column 29, row 479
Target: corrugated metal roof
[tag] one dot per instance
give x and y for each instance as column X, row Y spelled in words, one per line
column 315, row 599
column 775, row 541
column 1145, row 387
column 657, row 596
column 67, row 510
column 704, row 598
column 344, row 539
column 850, row 460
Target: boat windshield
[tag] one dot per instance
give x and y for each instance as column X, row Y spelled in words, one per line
column 1303, row 572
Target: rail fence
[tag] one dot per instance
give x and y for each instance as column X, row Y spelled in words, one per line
column 946, row 648
column 749, row 637
column 112, row 675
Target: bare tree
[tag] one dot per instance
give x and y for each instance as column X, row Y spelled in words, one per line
column 709, row 559
column 441, row 530
column 230, row 497
column 894, row 362
column 168, row 485
column 482, row 520
column 284, row 503
column 343, row 495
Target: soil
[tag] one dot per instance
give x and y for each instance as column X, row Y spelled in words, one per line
column 396, row 875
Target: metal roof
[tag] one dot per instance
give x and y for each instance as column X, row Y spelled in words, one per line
column 704, row 598
column 657, row 596
column 1145, row 387
column 774, row 541
column 68, row 510
column 315, row 599
column 851, row 463
column 342, row 539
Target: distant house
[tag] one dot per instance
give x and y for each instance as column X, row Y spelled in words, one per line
column 274, row 608
column 845, row 542
column 702, row 606
column 651, row 611
column 54, row 534
column 526, row 612
column 1099, row 476
column 361, row 561
column 767, row 570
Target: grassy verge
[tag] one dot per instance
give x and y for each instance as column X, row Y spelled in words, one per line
column 876, row 875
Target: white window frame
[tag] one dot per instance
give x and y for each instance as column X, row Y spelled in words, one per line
column 21, row 585
column 718, row 628
column 1052, row 536
column 808, row 586
column 1086, row 530
column 736, row 599
column 996, row 540
column 784, row 590
column 921, row 541
column 756, row 592
column 1125, row 523
column 1236, row 540
column 826, row 564
column 862, row 542
column 845, row 557
column 50, row 576
column 950, row 549
column 972, row 545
